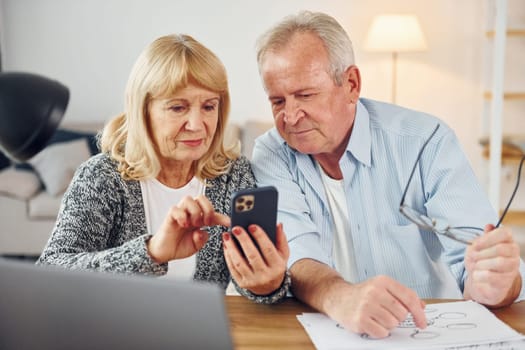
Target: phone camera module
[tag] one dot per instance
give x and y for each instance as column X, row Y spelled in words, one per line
column 244, row 203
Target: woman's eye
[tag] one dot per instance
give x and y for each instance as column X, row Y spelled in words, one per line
column 178, row 108
column 210, row 107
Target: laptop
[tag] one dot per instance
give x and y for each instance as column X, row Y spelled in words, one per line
column 52, row 308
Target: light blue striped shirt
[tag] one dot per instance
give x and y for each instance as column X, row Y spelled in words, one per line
column 376, row 166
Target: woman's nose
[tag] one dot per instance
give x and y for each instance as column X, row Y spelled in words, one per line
column 195, row 121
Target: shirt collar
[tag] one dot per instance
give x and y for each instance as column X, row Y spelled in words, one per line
column 360, row 143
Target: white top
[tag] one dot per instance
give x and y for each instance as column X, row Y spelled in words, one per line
column 343, row 247
column 158, row 199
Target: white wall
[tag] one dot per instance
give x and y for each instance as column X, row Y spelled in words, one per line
column 91, row 45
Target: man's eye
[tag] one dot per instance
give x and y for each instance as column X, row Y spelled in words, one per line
column 277, row 103
column 305, row 96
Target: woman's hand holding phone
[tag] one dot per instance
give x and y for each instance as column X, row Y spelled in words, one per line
column 256, row 250
column 260, row 269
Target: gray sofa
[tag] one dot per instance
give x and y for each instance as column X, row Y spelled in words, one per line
column 30, row 196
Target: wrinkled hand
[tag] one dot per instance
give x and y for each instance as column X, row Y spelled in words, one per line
column 259, row 272
column 374, row 307
column 180, row 235
column 492, row 262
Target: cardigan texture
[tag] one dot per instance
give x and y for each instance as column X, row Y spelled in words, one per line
column 101, row 226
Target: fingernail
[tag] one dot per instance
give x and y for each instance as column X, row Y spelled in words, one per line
column 236, row 231
column 226, row 236
column 252, row 228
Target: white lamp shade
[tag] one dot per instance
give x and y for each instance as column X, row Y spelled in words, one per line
column 395, row 33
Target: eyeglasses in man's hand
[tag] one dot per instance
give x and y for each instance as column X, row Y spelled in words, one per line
column 463, row 234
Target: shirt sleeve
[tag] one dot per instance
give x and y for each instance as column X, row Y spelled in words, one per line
column 273, row 166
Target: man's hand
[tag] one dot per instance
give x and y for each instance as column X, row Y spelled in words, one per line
column 492, row 262
column 373, row 307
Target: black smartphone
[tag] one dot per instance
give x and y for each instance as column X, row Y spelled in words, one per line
column 255, row 206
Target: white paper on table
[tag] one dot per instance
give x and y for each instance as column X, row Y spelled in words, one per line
column 452, row 325
column 502, row 345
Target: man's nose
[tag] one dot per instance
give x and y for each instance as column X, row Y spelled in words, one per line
column 292, row 113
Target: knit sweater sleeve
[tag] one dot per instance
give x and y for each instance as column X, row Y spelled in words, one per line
column 100, row 225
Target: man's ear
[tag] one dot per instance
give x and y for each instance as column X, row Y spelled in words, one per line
column 352, row 78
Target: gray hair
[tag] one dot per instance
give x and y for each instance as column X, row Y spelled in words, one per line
column 334, row 37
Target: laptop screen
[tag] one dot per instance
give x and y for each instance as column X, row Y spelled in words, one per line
column 51, row 308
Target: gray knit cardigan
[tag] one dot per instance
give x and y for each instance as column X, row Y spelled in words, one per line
column 101, row 226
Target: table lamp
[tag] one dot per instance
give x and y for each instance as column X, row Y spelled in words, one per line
column 31, row 108
column 395, row 33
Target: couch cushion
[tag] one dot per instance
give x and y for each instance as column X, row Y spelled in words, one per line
column 44, row 206
column 232, row 135
column 21, row 184
column 57, row 164
column 65, row 135
column 250, row 131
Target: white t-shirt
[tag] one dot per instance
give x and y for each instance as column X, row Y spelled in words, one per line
column 343, row 247
column 158, row 199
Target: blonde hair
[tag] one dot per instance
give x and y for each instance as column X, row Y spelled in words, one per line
column 166, row 65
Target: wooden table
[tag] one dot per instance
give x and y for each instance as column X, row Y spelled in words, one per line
column 254, row 326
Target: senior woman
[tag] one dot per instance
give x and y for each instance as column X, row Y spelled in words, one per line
column 159, row 192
